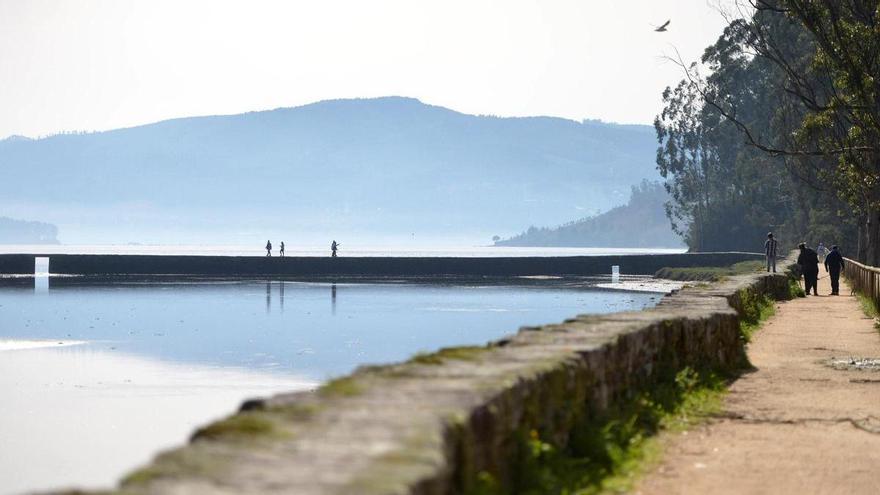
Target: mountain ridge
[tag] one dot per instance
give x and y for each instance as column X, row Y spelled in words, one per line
column 386, row 167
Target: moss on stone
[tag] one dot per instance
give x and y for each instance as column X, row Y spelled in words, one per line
column 463, row 353
column 346, row 386
column 241, row 425
column 709, row 273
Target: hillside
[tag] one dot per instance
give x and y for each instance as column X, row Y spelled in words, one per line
column 367, row 169
column 641, row 222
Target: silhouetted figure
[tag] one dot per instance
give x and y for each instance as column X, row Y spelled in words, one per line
column 833, row 265
column 333, row 247
column 770, row 252
column 281, row 250
column 809, row 262
column 268, row 248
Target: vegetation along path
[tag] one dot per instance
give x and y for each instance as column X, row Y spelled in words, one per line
column 805, row 420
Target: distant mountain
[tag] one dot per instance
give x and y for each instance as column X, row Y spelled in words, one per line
column 366, row 168
column 23, row 232
column 641, row 222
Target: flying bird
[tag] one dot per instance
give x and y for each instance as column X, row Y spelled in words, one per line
column 662, row 29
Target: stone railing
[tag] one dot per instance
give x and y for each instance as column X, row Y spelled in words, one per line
column 440, row 423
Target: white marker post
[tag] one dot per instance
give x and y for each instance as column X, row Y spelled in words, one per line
column 41, row 274
column 615, row 274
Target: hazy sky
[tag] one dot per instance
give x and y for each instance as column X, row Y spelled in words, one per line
column 101, row 64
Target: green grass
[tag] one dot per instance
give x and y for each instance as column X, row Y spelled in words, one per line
column 464, row 353
column 607, row 453
column 794, row 289
column 753, row 311
column 241, row 425
column 345, row 386
column 710, row 273
column 869, row 307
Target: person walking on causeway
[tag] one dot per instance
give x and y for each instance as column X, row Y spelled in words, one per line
column 268, row 248
column 281, row 249
column 770, row 252
column 333, row 248
column 809, row 262
column 833, row 265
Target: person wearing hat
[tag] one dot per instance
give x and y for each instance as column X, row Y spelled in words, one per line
column 833, row 265
column 770, row 252
column 809, row 262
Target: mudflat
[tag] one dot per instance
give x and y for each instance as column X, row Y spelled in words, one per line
column 806, row 420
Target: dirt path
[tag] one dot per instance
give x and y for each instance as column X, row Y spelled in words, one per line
column 794, row 425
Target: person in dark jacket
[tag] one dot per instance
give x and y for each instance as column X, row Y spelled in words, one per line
column 809, row 262
column 833, row 265
column 770, row 252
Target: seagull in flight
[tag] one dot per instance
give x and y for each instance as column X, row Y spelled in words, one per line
column 662, row 28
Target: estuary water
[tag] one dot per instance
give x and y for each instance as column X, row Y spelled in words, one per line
column 96, row 378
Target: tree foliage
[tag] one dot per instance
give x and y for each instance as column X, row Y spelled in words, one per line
column 744, row 150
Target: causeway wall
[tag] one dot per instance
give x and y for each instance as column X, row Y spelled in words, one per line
column 441, row 423
column 231, row 266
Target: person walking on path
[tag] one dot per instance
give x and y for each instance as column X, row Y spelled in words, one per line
column 822, row 251
column 770, row 252
column 833, row 265
column 809, row 262
column 268, row 248
column 281, row 250
column 792, row 424
column 333, row 248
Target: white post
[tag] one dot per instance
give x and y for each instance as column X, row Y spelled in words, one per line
column 41, row 274
column 615, row 274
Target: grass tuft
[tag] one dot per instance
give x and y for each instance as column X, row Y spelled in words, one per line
column 242, row 425
column 606, row 453
column 753, row 311
column 709, row 273
column 869, row 307
column 345, row 386
column 464, row 353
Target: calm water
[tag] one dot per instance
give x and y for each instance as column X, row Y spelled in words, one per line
column 97, row 378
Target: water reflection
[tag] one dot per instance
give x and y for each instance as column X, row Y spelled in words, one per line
column 234, row 323
column 85, row 416
column 154, row 358
column 268, row 297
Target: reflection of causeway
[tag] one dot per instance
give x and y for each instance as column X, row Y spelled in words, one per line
column 281, row 297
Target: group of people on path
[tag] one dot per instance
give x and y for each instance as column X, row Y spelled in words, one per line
column 808, row 259
column 334, row 246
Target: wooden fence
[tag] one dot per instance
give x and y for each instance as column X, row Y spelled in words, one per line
column 863, row 278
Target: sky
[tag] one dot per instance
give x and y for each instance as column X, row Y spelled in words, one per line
column 90, row 65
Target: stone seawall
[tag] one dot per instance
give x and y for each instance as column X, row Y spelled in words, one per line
column 103, row 264
column 439, row 423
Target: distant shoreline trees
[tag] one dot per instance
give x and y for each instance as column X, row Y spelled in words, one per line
column 639, row 223
column 14, row 231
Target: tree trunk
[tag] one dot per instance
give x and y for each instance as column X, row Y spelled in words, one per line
column 861, row 246
column 872, row 235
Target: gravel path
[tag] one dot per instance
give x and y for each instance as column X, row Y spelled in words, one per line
column 795, row 424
